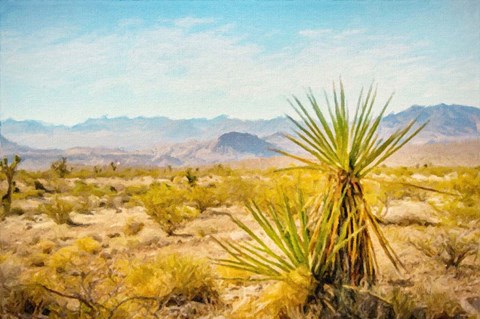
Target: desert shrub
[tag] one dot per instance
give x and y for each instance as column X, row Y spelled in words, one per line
column 29, row 193
column 58, row 210
column 166, row 205
column 450, row 247
column 454, row 212
column 84, row 189
column 403, row 303
column 235, row 189
column 78, row 282
column 178, row 278
column 205, row 197
column 133, row 190
column 84, row 205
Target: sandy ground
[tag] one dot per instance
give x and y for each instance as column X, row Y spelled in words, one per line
column 19, row 234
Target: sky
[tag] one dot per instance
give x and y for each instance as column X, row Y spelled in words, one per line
column 63, row 62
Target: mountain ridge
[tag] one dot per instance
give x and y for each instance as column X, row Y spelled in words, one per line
column 147, row 141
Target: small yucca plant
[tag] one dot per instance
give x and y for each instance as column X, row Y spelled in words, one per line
column 294, row 244
column 286, row 250
column 348, row 149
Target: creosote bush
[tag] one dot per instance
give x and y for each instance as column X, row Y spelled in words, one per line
column 166, row 205
column 58, row 210
column 450, row 247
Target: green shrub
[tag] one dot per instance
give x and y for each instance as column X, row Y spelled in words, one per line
column 83, row 189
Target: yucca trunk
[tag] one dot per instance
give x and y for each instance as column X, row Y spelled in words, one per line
column 355, row 262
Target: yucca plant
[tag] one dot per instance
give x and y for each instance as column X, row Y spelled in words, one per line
column 287, row 244
column 347, row 150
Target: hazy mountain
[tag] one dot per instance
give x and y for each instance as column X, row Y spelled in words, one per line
column 133, row 133
column 446, row 123
column 244, row 143
column 161, row 141
column 227, row 147
column 8, row 147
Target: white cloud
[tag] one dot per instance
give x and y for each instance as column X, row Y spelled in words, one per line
column 189, row 22
column 314, row 33
column 131, row 22
column 174, row 72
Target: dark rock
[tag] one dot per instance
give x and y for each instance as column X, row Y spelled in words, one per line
column 360, row 305
column 474, row 302
column 419, row 313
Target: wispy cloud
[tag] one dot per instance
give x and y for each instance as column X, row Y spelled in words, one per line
column 189, row 22
column 176, row 72
column 314, row 33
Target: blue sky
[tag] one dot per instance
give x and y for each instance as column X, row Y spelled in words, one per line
column 64, row 61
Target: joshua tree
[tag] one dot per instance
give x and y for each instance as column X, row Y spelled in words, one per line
column 347, row 150
column 60, row 167
column 192, row 179
column 114, row 165
column 9, row 172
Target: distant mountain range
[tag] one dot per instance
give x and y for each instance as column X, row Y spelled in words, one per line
column 133, row 133
column 162, row 141
column 446, row 123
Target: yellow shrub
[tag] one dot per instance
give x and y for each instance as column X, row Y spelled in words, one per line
column 88, row 244
column 280, row 298
column 166, row 205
